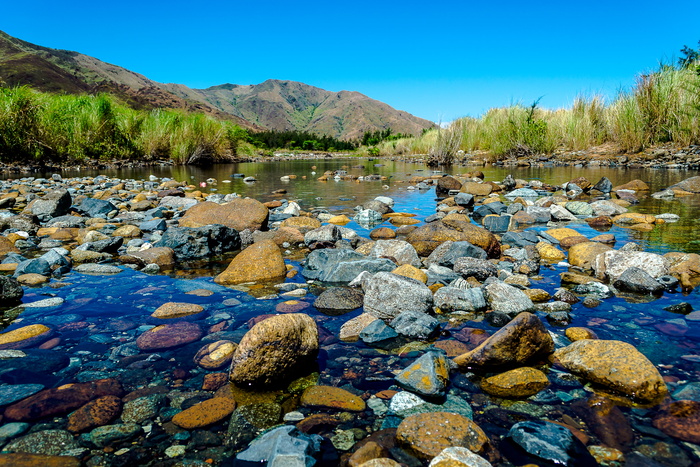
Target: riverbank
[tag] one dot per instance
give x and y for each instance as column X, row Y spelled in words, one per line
column 381, row 324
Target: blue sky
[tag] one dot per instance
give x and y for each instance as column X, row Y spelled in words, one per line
column 436, row 60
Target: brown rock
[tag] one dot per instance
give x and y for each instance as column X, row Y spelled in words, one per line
column 167, row 336
column 367, row 452
column 32, row 279
column 455, row 227
column 600, row 222
column 176, row 310
column 61, row 400
column 329, row 397
column 636, row 185
column 549, row 252
column 615, row 365
column 608, row 239
column 575, row 278
column 302, row 224
column 162, row 256
column 6, row 246
column 26, row 336
column 520, row 382
column 275, row 350
column 562, row 232
column 214, row 381
column 239, row 214
column 64, row 234
column 606, row 421
column 567, row 242
column 425, row 435
column 447, row 183
column 584, row 254
column 680, row 419
column 413, row 272
column 477, row 189
column 215, row 355
column 382, row 233
column 289, row 235
column 21, row 459
column 341, row 220
column 317, row 423
column 205, row 413
column 577, row 333
column 98, row 412
column 634, row 218
column 537, row 295
column 127, row 231
column 350, row 330
column 523, row 339
column 259, row 262
column 401, row 220
column 452, row 348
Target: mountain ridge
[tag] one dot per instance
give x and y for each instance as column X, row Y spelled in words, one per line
column 273, row 104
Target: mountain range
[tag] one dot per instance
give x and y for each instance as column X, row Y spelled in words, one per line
column 272, row 104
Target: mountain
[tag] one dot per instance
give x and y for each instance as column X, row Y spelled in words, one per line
column 273, row 104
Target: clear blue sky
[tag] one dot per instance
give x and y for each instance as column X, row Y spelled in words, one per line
column 436, row 60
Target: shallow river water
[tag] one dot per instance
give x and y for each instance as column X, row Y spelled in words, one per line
column 101, row 316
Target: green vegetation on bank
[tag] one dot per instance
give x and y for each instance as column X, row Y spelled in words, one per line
column 298, row 140
column 40, row 127
column 662, row 107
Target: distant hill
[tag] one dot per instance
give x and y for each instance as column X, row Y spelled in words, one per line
column 273, row 104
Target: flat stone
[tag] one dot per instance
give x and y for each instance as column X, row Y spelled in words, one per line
column 90, row 268
column 168, row 336
column 427, row 435
column 26, row 336
column 15, row 392
column 98, row 412
column 176, row 310
column 239, row 214
column 259, row 262
column 329, row 397
column 216, row 355
column 46, row 442
column 22, row 459
column 205, row 413
column 520, row 382
column 680, row 419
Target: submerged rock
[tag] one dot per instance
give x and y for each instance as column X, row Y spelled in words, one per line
column 284, row 445
column 546, row 442
column 427, row 376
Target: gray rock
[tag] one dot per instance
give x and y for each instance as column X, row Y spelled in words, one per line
column 152, row 225
column 427, row 376
column 560, row 213
column 48, row 442
column 326, row 233
column 449, row 299
column 520, row 239
column 108, row 245
column 11, row 291
column 612, row 264
column 480, row 269
column 504, row 298
column 378, row 333
column 143, row 408
column 90, row 268
column 548, row 442
column 176, row 202
column 200, row 242
column 368, row 218
column 378, row 206
column 387, row 295
column 55, row 203
column 105, row 435
column 339, row 299
column 604, row 185
column 66, row 221
column 415, row 325
column 33, row 266
column 92, row 207
column 541, row 215
column 606, row 208
column 13, row 392
column 637, row 280
column 522, row 193
column 594, row 290
column 12, row 430
column 282, row 446
column 464, row 199
column 448, row 252
column 440, row 274
column 497, row 208
column 402, row 251
column 404, row 404
column 579, row 208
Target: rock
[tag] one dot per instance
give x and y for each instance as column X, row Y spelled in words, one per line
column 37, row 460
column 388, row 294
column 168, row 336
column 427, row 238
column 11, row 293
column 61, row 400
column 458, row 457
column 612, row 264
column 522, row 340
column 6, row 246
column 105, row 435
column 480, row 269
column 350, row 331
column 96, row 208
column 163, row 257
column 584, row 254
column 427, row 435
column 579, row 208
column 680, row 419
column 382, row 233
column 400, row 250
column 378, row 205
column 331, row 265
column 578, row 333
column 98, row 412
column 141, row 409
column 55, row 203
column 449, row 252
column 284, row 445
column 90, row 268
column 216, row 355
column 520, row 382
column 616, row 365
column 205, row 413
column 378, row 334
column 450, row 299
column 201, row 242
column 546, row 443
column 415, row 325
column 446, row 184
column 16, row 392
column 176, row 310
column 411, row 272
column 329, row 397
column 504, row 298
column 302, row 224
column 46, row 442
column 637, row 280
column 606, row 421
column 326, row 233
column 428, row 376
column 476, row 188
column 259, row 262
column 238, row 214
column 634, row 185
column 275, row 350
column 339, row 299
column 26, row 336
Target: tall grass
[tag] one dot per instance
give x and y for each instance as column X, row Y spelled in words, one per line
column 662, row 107
column 43, row 127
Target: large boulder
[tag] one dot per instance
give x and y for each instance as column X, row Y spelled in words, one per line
column 238, row 214
column 387, row 295
column 480, row 269
column 637, row 280
column 447, row 253
column 522, row 340
column 55, row 203
column 616, row 365
column 200, row 242
column 584, row 254
column 93, row 207
column 691, row 185
column 455, row 227
column 259, row 262
column 505, row 298
column 274, row 351
column 342, row 265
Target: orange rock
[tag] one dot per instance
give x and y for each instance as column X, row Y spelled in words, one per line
column 239, row 214
column 302, row 224
column 176, row 310
column 21, row 459
column 6, row 246
column 205, row 413
column 24, row 336
column 427, row 434
column 259, row 262
column 330, row 397
column 96, row 413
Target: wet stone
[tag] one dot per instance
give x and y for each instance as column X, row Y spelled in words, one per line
column 282, row 446
column 48, row 442
column 330, row 397
column 176, row 310
column 415, row 325
column 426, row 435
column 339, row 299
column 96, row 413
column 680, row 419
column 105, row 435
column 13, row 393
column 168, row 336
column 216, row 355
column 427, row 376
column 520, row 382
column 143, row 408
column 205, row 413
column 539, row 441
